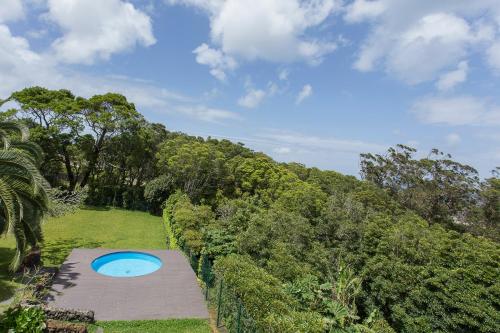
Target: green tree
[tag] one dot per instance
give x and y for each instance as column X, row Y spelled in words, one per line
column 197, row 168
column 105, row 116
column 55, row 125
column 23, row 197
column 436, row 187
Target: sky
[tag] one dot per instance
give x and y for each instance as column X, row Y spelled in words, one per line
column 316, row 82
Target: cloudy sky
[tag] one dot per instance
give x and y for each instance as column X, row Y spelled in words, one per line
column 315, row 81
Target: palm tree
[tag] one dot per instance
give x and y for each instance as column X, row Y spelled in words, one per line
column 23, row 190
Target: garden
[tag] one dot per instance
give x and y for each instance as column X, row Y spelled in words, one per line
column 93, row 227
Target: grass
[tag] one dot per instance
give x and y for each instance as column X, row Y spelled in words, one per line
column 104, row 228
column 154, row 326
column 7, row 285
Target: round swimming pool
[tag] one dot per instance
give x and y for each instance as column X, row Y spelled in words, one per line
column 126, row 264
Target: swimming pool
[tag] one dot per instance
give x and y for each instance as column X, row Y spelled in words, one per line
column 126, row 264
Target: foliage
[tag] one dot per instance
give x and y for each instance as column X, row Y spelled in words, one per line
column 429, row 279
column 23, row 190
column 436, row 187
column 63, row 202
column 23, row 320
column 171, row 240
column 263, row 297
column 157, row 191
column 195, row 167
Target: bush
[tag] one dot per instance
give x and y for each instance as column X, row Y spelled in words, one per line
column 157, row 191
column 23, row 320
column 263, row 297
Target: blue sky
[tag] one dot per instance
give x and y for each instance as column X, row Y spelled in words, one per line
column 316, row 81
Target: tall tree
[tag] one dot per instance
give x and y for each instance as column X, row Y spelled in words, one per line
column 105, row 116
column 53, row 116
column 439, row 189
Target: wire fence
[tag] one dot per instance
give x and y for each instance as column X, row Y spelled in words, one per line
column 229, row 309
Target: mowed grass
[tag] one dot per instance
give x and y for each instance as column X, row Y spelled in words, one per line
column 154, row 326
column 101, row 228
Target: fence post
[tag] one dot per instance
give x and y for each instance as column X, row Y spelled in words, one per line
column 238, row 318
column 219, row 300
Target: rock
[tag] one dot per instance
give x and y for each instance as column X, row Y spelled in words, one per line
column 85, row 316
column 55, row 326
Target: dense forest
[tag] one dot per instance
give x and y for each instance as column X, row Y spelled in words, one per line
column 411, row 247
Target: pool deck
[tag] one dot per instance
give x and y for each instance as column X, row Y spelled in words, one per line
column 170, row 292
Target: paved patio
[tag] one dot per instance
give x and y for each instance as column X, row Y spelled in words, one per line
column 170, row 292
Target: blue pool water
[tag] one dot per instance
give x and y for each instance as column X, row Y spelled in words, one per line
column 126, row 264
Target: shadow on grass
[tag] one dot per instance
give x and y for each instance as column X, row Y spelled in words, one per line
column 55, row 252
column 7, row 289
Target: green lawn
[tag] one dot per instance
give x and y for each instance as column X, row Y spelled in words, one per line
column 7, row 286
column 154, row 326
column 107, row 228
column 100, row 227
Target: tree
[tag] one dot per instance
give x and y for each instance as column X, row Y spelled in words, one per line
column 23, row 197
column 436, row 187
column 55, row 124
column 198, row 168
column 105, row 116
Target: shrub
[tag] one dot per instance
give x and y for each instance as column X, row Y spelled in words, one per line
column 23, row 320
column 157, row 191
column 263, row 297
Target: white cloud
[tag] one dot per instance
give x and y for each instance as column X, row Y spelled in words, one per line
column 11, row 10
column 205, row 113
column 96, row 29
column 317, row 143
column 252, row 99
column 282, row 150
column 271, row 30
column 456, row 110
column 493, row 55
column 21, row 67
column 449, row 80
column 453, row 139
column 361, row 10
column 416, row 40
column 218, row 62
column 306, row 92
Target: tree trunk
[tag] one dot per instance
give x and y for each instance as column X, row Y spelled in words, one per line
column 69, row 169
column 93, row 159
